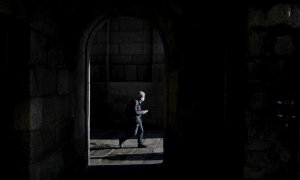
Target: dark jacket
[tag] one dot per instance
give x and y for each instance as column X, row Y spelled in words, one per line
column 133, row 109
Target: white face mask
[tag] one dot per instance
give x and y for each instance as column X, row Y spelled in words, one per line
column 142, row 99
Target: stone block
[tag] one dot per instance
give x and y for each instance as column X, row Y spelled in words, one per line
column 130, row 24
column 5, row 6
column 55, row 110
column 143, row 36
column 158, row 48
column 277, row 14
column 36, row 113
column 144, row 72
column 42, row 81
column 116, row 37
column 64, row 82
column 116, row 73
column 294, row 19
column 98, row 73
column 114, row 48
column 99, row 49
column 93, row 59
column 256, row 43
column 147, row 48
column 142, row 59
column 49, row 167
column 131, row 48
column 120, row 59
column 38, row 48
column 258, row 100
column 95, row 73
column 101, row 37
column 22, row 115
column 284, row 45
column 173, row 85
column 114, row 25
column 130, row 72
column 131, row 37
column 101, row 59
column 158, row 59
column 147, row 26
column 157, row 73
column 103, row 27
column 156, row 37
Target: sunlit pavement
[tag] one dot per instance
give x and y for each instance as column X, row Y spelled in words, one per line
column 105, row 150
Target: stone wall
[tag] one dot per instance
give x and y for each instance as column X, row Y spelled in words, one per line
column 272, row 125
column 41, row 91
column 127, row 56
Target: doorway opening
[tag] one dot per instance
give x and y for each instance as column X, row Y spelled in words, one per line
column 126, row 55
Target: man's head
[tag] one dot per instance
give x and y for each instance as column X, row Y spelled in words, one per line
column 141, row 96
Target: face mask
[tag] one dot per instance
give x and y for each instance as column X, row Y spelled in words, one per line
column 142, row 99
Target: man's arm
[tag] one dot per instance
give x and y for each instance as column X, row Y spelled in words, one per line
column 137, row 112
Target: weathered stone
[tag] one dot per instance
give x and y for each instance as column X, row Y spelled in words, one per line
column 94, row 73
column 258, row 100
column 157, row 72
column 64, row 81
column 144, row 72
column 278, row 14
column 130, row 24
column 141, row 59
column 256, row 43
column 43, row 22
column 114, row 25
column 99, row 49
column 49, row 167
column 147, row 48
column 158, row 48
column 120, row 59
column 158, row 59
column 36, row 113
column 284, row 45
column 258, row 145
column 42, row 81
column 22, row 115
column 131, row 48
column 156, row 37
column 5, row 6
column 294, row 19
column 147, row 26
column 115, row 48
column 130, row 72
column 116, row 73
column 130, row 37
column 38, row 47
column 102, row 37
column 55, row 110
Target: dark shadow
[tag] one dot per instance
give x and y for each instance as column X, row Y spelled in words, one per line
column 132, row 157
column 124, row 171
column 103, row 146
column 108, row 146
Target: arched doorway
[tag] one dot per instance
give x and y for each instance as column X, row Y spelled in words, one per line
column 125, row 55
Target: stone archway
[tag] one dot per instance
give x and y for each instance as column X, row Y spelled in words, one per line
column 164, row 25
column 126, row 55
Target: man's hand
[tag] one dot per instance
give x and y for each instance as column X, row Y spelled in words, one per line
column 145, row 111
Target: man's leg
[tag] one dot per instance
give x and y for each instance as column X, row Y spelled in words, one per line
column 140, row 135
column 129, row 134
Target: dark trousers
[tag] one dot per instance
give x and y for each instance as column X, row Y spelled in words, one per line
column 137, row 132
